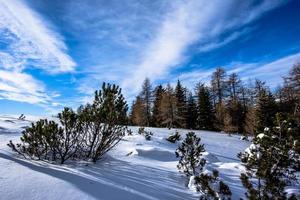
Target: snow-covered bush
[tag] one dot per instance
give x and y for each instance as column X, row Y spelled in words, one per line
column 192, row 164
column 147, row 134
column 141, row 130
column 129, row 132
column 271, row 162
column 174, row 137
column 190, row 153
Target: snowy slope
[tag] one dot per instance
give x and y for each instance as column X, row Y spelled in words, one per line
column 135, row 169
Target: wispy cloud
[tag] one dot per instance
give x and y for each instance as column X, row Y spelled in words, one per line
column 22, row 87
column 272, row 72
column 191, row 23
column 116, row 37
column 177, row 31
column 219, row 42
column 30, row 41
column 130, row 41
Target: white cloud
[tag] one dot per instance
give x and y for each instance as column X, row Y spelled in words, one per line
column 30, row 41
column 272, row 72
column 131, row 41
column 18, row 86
column 8, row 62
column 189, row 23
column 216, row 43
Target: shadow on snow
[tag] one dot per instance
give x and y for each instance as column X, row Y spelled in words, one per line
column 115, row 179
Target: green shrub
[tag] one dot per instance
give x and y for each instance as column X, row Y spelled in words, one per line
column 174, row 138
column 87, row 134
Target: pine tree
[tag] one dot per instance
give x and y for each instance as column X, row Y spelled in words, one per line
column 40, row 141
column 190, row 153
column 235, row 116
column 46, row 140
column 158, row 92
column 245, row 97
column 234, row 85
column 168, row 109
column 272, row 161
column 192, row 112
column 203, row 184
column 211, row 187
column 259, row 88
column 294, row 79
column 100, row 122
column 220, row 115
column 249, row 127
column 286, row 98
column 251, row 95
column 192, row 164
column 69, row 141
column 236, row 106
column 265, row 111
column 146, row 97
column 121, row 109
column 224, row 191
column 219, row 85
column 180, row 94
column 293, row 83
column 138, row 110
column 205, row 117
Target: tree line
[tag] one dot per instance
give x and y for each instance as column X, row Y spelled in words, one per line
column 227, row 104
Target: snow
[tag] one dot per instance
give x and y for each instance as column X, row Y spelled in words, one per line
column 261, row 135
column 134, row 169
column 191, row 184
column 253, row 147
column 252, row 151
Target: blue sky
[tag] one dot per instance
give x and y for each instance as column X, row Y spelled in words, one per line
column 55, row 53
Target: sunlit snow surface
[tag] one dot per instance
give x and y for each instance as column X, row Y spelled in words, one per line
column 135, row 169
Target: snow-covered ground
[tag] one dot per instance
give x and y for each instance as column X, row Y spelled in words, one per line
column 135, row 169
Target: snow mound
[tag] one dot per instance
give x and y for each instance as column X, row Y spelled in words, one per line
column 12, row 125
column 157, row 154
